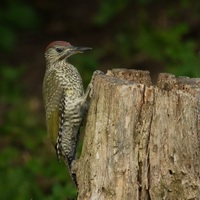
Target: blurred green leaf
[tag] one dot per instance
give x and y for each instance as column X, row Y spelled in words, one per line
column 22, row 16
column 15, row 16
column 10, row 89
column 108, row 10
column 7, row 38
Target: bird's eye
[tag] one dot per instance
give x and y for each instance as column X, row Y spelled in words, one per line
column 59, row 50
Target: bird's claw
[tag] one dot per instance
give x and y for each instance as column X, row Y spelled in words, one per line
column 97, row 72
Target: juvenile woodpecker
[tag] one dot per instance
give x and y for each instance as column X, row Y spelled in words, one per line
column 64, row 100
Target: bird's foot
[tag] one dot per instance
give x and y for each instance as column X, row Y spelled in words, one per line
column 97, row 72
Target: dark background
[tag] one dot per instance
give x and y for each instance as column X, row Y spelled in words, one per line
column 159, row 36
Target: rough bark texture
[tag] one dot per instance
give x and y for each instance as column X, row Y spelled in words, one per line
column 141, row 141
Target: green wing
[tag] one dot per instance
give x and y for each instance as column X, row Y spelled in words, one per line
column 53, row 126
column 52, row 95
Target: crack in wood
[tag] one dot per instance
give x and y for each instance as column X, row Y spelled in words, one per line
column 138, row 127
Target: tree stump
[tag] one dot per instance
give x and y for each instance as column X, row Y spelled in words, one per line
column 141, row 140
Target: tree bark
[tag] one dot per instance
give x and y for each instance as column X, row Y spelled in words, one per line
column 141, row 140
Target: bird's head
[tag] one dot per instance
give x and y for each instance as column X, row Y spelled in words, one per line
column 61, row 50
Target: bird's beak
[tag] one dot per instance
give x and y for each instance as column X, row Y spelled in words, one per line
column 74, row 50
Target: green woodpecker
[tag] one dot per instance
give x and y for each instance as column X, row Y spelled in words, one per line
column 64, row 100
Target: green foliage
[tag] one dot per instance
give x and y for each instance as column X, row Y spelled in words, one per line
column 148, row 29
column 9, row 78
column 21, row 16
column 167, row 45
column 161, row 36
column 28, row 173
column 32, row 178
column 15, row 16
column 108, row 10
column 7, row 38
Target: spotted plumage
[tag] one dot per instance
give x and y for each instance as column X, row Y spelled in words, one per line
column 64, row 100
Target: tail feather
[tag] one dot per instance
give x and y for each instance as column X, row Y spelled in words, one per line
column 68, row 161
column 58, row 153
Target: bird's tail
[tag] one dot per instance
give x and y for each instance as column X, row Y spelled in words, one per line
column 69, row 150
column 71, row 171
